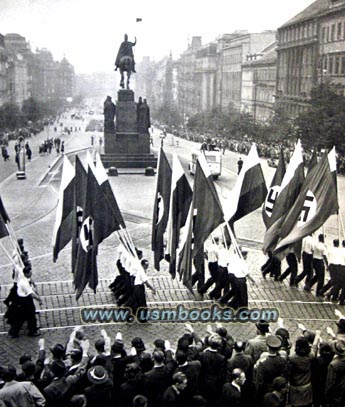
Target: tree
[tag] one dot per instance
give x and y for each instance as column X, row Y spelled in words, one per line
column 10, row 116
column 32, row 110
column 324, row 124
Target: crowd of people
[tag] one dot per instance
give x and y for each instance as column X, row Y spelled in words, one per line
column 217, row 370
column 269, row 150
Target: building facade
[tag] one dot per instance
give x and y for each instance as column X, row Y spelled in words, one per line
column 311, row 51
column 259, row 84
column 233, row 55
column 24, row 74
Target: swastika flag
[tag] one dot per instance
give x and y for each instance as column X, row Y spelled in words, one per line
column 315, row 203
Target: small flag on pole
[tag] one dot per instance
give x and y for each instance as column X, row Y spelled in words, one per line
column 138, row 20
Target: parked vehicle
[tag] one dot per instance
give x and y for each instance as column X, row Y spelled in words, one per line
column 213, row 158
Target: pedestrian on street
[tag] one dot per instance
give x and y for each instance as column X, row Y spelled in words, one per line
column 63, row 148
column 239, row 165
column 4, row 153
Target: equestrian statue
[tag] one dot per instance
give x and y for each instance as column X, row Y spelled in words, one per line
column 125, row 61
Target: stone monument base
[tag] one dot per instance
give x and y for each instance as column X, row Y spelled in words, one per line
column 126, row 147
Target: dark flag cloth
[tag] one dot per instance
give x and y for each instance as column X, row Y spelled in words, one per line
column 274, row 190
column 180, row 200
column 103, row 181
column 250, row 190
column 78, row 206
column 98, row 223
column 3, row 212
column 161, row 208
column 3, row 228
column 205, row 215
column 289, row 190
column 313, row 161
column 315, row 203
column 65, row 209
column 138, row 20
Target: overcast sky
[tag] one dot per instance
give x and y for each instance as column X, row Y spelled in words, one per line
column 89, row 32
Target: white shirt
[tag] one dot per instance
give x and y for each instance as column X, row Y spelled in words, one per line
column 307, row 245
column 212, row 253
column 238, row 267
column 223, row 257
column 319, row 250
column 335, row 256
column 24, row 287
column 140, row 277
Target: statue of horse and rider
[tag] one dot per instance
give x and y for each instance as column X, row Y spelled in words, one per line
column 125, row 61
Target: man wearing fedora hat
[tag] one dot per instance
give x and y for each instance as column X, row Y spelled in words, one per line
column 335, row 383
column 101, row 390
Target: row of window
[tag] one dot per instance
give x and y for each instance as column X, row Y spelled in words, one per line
column 333, row 32
column 305, row 30
column 334, row 64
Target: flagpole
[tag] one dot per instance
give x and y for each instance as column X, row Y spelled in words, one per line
column 8, row 255
column 15, row 244
column 341, row 224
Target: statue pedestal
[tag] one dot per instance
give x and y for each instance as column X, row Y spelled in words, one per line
column 127, row 148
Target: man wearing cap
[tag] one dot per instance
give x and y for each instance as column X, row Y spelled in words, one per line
column 101, row 390
column 270, row 366
column 335, row 383
column 258, row 345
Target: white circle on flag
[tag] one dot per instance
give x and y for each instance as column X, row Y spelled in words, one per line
column 86, row 234
column 160, row 207
column 308, row 210
column 271, row 197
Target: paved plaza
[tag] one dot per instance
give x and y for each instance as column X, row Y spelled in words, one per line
column 31, row 204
